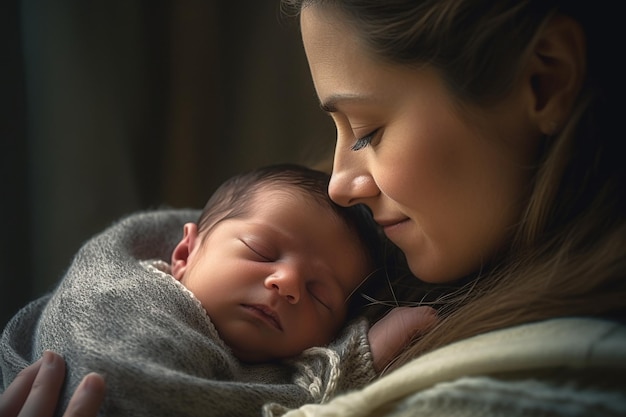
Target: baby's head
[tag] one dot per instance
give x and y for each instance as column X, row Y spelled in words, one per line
column 274, row 261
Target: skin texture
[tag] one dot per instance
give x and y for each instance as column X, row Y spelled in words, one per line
column 277, row 262
column 446, row 185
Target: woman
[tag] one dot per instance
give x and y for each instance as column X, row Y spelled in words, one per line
column 484, row 137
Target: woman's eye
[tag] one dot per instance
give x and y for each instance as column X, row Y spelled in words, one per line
column 364, row 141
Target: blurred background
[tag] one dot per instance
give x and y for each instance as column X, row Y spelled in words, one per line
column 109, row 107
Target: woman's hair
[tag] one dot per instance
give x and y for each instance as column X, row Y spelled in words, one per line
column 240, row 195
column 567, row 256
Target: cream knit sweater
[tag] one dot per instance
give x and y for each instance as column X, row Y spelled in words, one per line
column 561, row 367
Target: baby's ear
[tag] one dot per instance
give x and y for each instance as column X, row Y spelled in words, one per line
column 182, row 251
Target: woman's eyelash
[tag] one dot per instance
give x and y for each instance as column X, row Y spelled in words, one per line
column 363, row 141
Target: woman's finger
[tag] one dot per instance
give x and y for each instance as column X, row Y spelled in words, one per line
column 35, row 391
column 391, row 334
column 46, row 387
column 87, row 398
column 14, row 397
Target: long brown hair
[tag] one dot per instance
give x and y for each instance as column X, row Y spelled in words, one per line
column 567, row 256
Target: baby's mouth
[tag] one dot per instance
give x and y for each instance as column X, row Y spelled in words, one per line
column 266, row 314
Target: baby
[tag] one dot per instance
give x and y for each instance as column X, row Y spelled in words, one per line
column 244, row 312
column 274, row 262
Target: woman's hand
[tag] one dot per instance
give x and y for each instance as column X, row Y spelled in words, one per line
column 391, row 334
column 35, row 391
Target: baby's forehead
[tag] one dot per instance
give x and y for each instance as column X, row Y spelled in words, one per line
column 272, row 195
column 298, row 193
column 296, row 196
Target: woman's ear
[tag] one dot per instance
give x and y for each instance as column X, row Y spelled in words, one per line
column 182, row 252
column 556, row 72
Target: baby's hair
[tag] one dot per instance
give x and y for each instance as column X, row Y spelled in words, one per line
column 235, row 198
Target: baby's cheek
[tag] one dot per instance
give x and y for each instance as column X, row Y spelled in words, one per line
column 320, row 333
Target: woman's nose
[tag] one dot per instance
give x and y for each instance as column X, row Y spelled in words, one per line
column 351, row 182
column 287, row 284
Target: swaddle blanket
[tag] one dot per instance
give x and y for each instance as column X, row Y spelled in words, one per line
column 153, row 342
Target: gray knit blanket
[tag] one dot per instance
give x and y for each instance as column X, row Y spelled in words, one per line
column 153, row 342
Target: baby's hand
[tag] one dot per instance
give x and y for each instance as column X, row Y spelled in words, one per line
column 390, row 335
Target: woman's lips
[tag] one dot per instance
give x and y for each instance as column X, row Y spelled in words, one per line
column 394, row 228
column 391, row 223
column 266, row 314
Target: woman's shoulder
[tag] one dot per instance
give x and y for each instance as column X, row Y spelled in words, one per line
column 564, row 393
column 573, row 342
column 570, row 341
column 565, row 362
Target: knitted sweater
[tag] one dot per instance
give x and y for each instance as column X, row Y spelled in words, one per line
column 567, row 367
column 154, row 343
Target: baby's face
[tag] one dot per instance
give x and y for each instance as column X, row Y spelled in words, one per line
column 277, row 282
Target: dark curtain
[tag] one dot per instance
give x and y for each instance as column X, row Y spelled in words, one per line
column 113, row 107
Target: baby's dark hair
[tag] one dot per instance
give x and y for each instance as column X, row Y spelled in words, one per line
column 235, row 197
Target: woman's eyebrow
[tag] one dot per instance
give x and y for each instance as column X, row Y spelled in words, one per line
column 329, row 105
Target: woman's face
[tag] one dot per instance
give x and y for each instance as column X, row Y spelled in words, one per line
column 447, row 185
